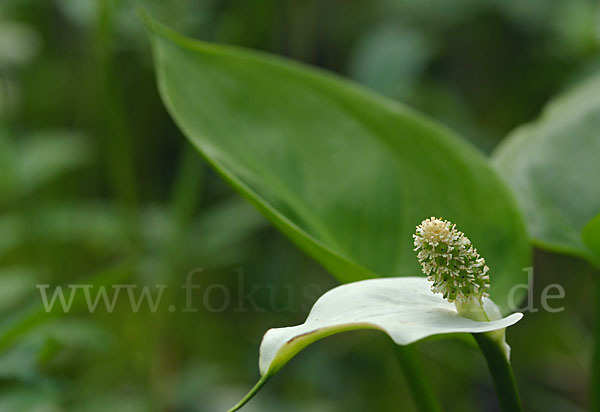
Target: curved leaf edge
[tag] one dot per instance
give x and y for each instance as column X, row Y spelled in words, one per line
column 305, row 241
column 563, row 100
column 591, row 237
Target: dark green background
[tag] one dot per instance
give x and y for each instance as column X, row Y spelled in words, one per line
column 93, row 172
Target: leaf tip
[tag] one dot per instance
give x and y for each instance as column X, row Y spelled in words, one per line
column 144, row 16
column 153, row 26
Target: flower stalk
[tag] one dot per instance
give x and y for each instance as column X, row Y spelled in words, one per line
column 501, row 371
column 457, row 271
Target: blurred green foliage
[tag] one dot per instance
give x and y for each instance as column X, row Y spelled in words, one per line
column 97, row 184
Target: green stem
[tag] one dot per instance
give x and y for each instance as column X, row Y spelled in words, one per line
column 419, row 384
column 595, row 366
column 113, row 118
column 251, row 394
column 501, row 371
column 185, row 197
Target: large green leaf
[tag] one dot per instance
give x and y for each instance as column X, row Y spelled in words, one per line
column 553, row 165
column 346, row 174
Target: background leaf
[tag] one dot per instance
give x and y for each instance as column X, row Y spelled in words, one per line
column 591, row 237
column 346, row 174
column 553, row 166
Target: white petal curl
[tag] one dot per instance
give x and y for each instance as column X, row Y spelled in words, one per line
column 402, row 307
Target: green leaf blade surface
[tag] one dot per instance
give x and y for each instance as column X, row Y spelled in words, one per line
column 553, row 165
column 343, row 172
